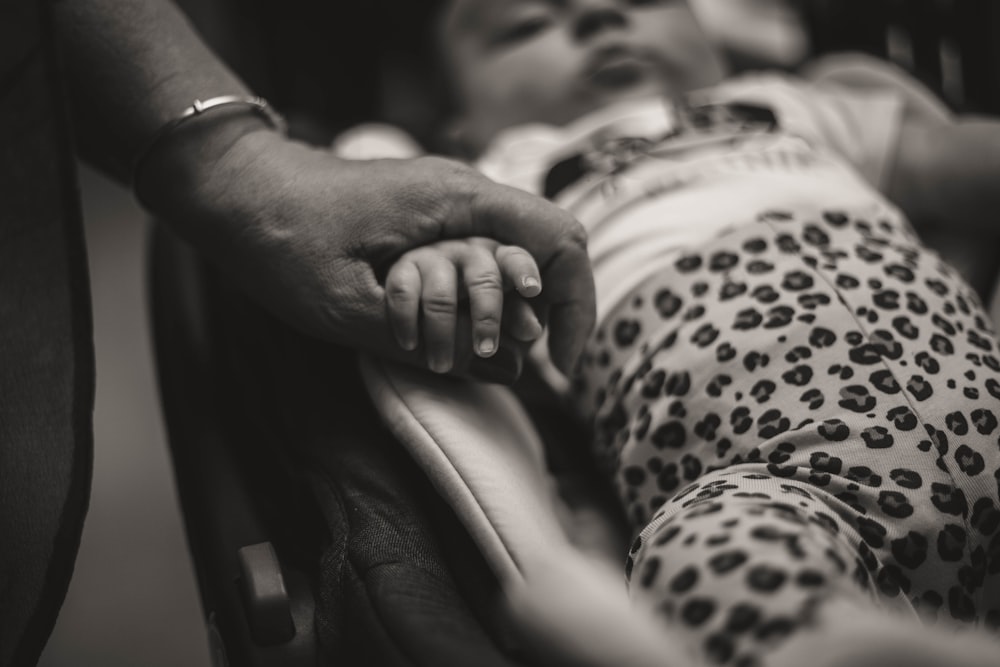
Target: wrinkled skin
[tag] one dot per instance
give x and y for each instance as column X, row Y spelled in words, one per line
column 309, row 235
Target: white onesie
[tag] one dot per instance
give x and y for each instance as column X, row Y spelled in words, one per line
column 649, row 178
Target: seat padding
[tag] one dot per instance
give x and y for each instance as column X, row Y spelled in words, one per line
column 480, row 450
column 482, row 454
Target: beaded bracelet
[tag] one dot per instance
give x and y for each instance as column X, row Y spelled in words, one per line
column 257, row 105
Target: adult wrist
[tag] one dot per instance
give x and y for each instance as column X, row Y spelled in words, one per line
column 171, row 173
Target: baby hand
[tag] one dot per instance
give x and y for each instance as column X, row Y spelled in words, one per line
column 425, row 287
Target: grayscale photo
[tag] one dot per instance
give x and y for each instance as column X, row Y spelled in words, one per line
column 499, row 333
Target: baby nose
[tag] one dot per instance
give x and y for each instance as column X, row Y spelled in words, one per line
column 594, row 16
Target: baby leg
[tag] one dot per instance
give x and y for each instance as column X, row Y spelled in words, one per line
column 817, row 358
column 752, row 569
column 742, row 560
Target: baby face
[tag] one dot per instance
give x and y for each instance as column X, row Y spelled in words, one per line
column 551, row 61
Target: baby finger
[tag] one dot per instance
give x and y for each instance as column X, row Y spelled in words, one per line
column 439, row 303
column 484, row 285
column 402, row 296
column 519, row 270
column 520, row 321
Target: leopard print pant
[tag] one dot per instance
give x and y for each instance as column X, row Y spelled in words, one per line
column 803, row 409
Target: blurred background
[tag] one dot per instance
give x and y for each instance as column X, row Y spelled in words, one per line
column 133, row 600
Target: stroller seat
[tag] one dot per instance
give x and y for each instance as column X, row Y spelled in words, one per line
column 364, row 553
column 479, row 448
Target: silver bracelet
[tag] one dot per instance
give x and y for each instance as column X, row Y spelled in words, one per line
column 257, row 105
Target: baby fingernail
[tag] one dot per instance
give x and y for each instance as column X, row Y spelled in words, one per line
column 529, row 282
column 486, row 347
column 440, row 366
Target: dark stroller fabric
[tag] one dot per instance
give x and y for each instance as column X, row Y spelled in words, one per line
column 46, row 352
column 399, row 581
column 384, row 577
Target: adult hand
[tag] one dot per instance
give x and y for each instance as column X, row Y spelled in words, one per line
column 309, row 235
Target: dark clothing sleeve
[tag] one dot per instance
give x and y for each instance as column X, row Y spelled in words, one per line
column 46, row 350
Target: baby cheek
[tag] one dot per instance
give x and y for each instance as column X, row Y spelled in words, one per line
column 537, row 89
column 688, row 57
